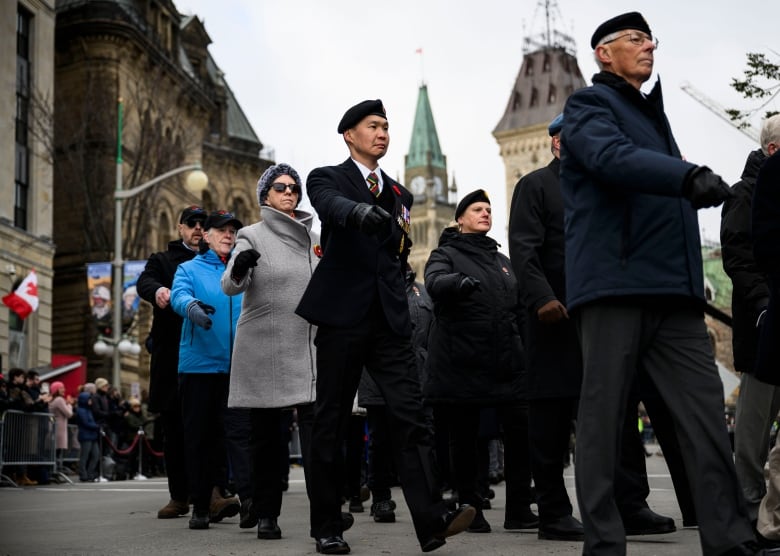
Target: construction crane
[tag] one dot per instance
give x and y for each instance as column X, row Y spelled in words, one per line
column 718, row 110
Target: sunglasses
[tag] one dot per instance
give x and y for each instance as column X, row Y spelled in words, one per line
column 280, row 187
column 192, row 222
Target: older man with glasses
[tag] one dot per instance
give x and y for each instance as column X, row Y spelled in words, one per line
column 635, row 288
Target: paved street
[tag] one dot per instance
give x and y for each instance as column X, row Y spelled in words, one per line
column 119, row 518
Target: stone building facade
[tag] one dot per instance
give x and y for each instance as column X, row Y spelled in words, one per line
column 26, row 197
column 176, row 109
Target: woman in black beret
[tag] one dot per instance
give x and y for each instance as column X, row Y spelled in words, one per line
column 475, row 355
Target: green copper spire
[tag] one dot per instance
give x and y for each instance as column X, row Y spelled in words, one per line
column 424, row 137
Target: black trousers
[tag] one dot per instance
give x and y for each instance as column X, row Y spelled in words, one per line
column 355, row 456
column 203, row 405
column 238, row 427
column 464, row 423
column 670, row 344
column 342, row 353
column 549, row 424
column 173, row 447
column 268, row 443
column 381, row 473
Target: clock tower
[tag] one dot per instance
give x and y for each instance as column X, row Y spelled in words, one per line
column 425, row 175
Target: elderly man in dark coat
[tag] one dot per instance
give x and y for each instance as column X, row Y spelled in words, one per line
column 635, row 285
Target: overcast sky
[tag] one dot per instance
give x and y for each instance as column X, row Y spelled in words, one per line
column 297, row 65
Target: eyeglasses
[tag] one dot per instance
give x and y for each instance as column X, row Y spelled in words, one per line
column 280, row 187
column 192, row 222
column 635, row 39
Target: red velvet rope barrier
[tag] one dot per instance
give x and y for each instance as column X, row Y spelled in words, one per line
column 151, row 450
column 132, row 446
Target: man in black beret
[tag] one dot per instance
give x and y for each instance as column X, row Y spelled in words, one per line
column 635, row 288
column 357, row 298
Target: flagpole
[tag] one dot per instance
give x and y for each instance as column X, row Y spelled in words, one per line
column 116, row 307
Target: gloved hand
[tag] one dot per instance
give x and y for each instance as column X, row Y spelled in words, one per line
column 198, row 312
column 243, row 262
column 369, row 219
column 703, row 188
column 467, row 285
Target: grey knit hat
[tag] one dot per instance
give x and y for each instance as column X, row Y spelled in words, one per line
column 268, row 177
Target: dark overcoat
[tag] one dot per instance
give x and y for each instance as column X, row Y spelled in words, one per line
column 537, row 252
column 766, row 247
column 750, row 291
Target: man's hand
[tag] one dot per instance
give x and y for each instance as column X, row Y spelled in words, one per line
column 198, row 312
column 552, row 312
column 369, row 219
column 704, row 189
column 244, row 261
column 162, row 297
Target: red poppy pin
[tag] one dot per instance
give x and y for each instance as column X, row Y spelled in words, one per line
column 317, row 250
column 397, row 191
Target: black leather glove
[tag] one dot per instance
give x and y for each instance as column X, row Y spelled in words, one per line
column 198, row 312
column 467, row 285
column 704, row 189
column 369, row 219
column 243, row 262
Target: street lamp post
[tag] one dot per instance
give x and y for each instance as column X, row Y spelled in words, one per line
column 196, row 182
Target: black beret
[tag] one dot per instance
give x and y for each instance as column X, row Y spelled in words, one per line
column 353, row 116
column 479, row 195
column 630, row 20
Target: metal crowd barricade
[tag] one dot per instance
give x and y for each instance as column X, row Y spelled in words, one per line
column 27, row 439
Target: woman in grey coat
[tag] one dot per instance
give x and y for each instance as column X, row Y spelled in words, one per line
column 273, row 364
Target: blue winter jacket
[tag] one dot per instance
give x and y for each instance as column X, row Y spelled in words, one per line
column 201, row 350
column 88, row 427
column 629, row 231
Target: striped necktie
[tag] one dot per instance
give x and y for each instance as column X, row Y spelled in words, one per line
column 373, row 184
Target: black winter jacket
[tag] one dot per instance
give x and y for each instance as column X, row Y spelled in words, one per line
column 750, row 292
column 475, row 352
column 166, row 326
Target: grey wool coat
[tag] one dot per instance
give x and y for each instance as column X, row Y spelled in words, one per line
column 273, row 361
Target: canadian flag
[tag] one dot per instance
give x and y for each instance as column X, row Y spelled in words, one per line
column 24, row 300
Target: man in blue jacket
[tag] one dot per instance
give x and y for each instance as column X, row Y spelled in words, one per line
column 635, row 286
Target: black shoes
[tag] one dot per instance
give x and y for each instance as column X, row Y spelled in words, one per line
column 332, row 545
column 347, row 521
column 479, row 525
column 647, row 522
column 526, row 520
column 566, row 528
column 355, row 505
column 383, row 511
column 453, row 523
column 248, row 515
column 199, row 519
column 267, row 528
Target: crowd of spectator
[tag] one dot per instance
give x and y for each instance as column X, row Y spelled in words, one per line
column 108, row 425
